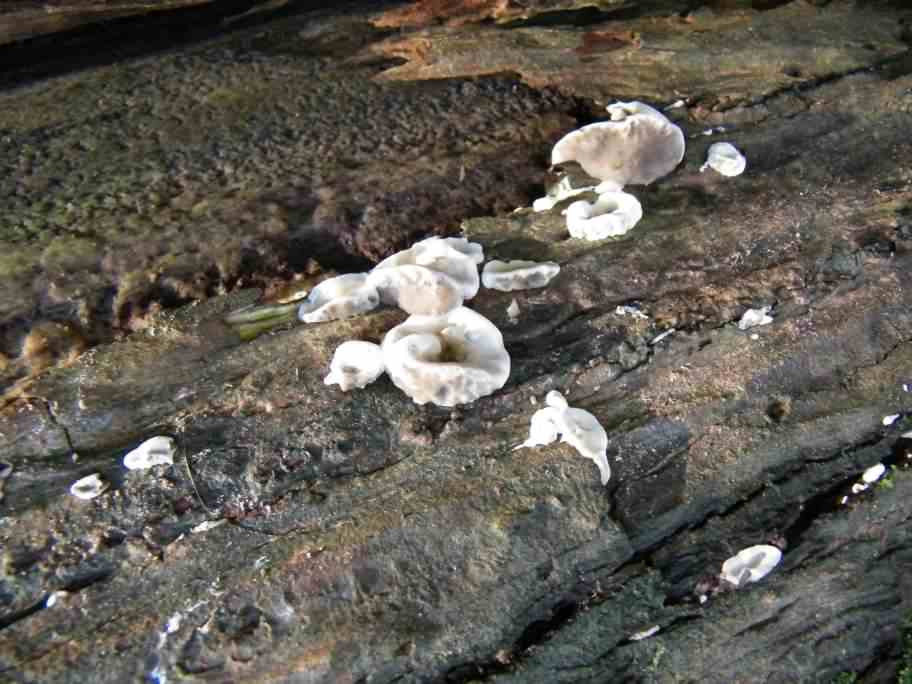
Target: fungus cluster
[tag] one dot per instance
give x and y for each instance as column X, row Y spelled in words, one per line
column 637, row 145
column 444, row 353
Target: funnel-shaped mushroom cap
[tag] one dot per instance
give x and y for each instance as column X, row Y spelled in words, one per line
column 577, row 427
column 341, row 297
column 611, row 215
column 456, row 257
column 518, row 275
column 751, row 564
column 355, row 364
column 418, row 290
column 637, row 146
column 725, row 158
column 447, row 360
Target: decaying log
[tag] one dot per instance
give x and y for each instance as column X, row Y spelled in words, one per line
column 305, row 534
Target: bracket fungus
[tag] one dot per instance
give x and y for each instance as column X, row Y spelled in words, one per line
column 754, row 317
column 637, row 146
column 613, row 214
column 153, row 452
column 724, row 158
column 446, row 360
column 751, row 564
column 507, row 276
column 577, row 427
column 341, row 297
column 89, row 487
column 355, row 364
column 431, row 277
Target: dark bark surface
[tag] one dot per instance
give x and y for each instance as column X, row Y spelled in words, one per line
column 359, row 537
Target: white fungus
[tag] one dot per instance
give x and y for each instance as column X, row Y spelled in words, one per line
column 89, row 487
column 507, row 276
column 627, row 310
column 645, row 634
column 207, row 525
column 430, row 278
column 637, row 146
column 754, row 317
column 874, row 473
column 577, row 427
column 457, row 258
column 751, row 564
column 724, row 158
column 417, row 290
column 341, row 297
column 611, row 215
column 53, row 597
column 513, row 311
column 153, row 452
column 446, row 360
column 355, row 364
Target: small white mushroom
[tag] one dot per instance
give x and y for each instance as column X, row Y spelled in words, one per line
column 89, row 487
column 577, row 427
column 874, row 473
column 446, row 360
column 355, row 364
column 612, row 214
column 638, row 146
column 55, row 596
column 751, row 564
column 341, row 297
column 513, row 311
column 724, row 158
column 754, row 317
column 153, row 452
column 518, row 275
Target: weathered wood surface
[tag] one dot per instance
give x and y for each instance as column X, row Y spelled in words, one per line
column 24, row 19
column 369, row 539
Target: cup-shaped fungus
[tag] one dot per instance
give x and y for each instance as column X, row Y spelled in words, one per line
column 611, row 215
column 153, row 452
column 724, row 158
column 431, row 277
column 89, row 487
column 456, row 257
column 517, row 275
column 751, row 564
column 355, row 364
column 637, row 146
column 341, row 297
column 577, row 427
column 417, row 290
column 446, row 360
